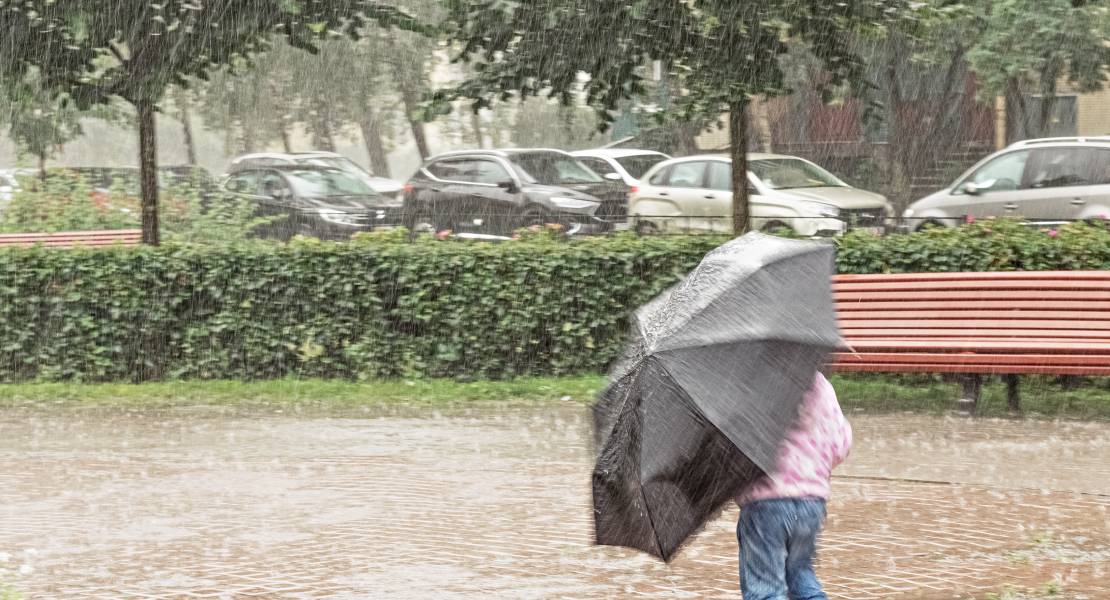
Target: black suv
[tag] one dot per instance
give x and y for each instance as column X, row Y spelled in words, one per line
column 312, row 200
column 494, row 192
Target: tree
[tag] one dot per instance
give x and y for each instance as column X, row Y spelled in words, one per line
column 96, row 50
column 38, row 121
column 1034, row 44
column 720, row 53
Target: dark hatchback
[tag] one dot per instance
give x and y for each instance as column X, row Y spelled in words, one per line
column 314, row 201
column 495, row 192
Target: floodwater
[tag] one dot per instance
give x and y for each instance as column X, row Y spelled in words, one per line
column 495, row 504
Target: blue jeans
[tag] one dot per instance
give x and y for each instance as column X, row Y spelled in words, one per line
column 778, row 540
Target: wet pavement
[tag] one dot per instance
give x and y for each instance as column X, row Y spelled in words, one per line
column 495, row 504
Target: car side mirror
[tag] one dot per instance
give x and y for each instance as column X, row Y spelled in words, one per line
column 613, row 177
column 975, row 189
column 281, row 194
column 508, row 185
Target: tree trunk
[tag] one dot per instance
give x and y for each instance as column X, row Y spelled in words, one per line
column 1048, row 102
column 148, row 174
column 412, row 105
column 738, row 149
column 42, row 166
column 763, row 122
column 897, row 140
column 476, row 125
column 247, row 137
column 375, row 146
column 1016, row 112
column 187, row 130
column 286, row 142
column 325, row 137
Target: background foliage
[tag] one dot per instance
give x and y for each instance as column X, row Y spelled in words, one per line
column 381, row 307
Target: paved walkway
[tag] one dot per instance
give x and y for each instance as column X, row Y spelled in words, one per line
column 197, row 504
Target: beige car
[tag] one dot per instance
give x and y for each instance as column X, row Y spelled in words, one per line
column 694, row 194
column 1049, row 180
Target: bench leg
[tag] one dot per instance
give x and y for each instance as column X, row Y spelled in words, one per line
column 1013, row 392
column 973, row 389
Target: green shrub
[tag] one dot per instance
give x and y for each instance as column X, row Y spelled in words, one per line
column 381, row 307
column 65, row 201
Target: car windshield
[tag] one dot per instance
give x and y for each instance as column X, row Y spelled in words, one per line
column 550, row 168
column 792, row 173
column 337, row 162
column 639, row 164
column 330, row 183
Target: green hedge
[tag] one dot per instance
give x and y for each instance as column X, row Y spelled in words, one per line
column 381, row 307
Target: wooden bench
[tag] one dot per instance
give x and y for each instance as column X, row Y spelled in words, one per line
column 71, row 239
column 975, row 324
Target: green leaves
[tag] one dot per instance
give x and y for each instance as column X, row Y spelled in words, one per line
column 381, row 307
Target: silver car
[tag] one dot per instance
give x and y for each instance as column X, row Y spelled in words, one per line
column 694, row 193
column 1050, row 180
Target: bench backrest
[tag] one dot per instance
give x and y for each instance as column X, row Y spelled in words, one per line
column 70, row 239
column 1050, row 322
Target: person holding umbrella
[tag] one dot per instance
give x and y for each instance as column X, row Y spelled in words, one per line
column 704, row 404
column 783, row 511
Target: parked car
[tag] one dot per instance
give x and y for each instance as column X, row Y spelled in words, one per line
column 381, row 185
column 313, row 200
column 694, row 193
column 1043, row 181
column 494, row 192
column 8, row 187
column 620, row 164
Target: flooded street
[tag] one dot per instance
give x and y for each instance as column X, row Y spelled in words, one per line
column 199, row 504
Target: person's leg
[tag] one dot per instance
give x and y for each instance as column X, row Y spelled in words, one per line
column 801, row 547
column 762, row 536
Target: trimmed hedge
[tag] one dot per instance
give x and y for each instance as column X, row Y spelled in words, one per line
column 380, row 307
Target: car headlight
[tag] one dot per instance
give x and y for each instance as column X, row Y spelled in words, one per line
column 820, row 208
column 572, row 203
column 339, row 217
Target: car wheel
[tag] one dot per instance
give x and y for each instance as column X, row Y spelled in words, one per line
column 646, row 228
column 774, row 227
column 423, row 223
column 930, row 224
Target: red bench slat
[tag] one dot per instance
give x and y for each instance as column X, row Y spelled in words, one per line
column 970, row 358
column 1102, row 323
column 938, row 296
column 986, row 275
column 71, row 239
column 917, row 305
column 1099, row 371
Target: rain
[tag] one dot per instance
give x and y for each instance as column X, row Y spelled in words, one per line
column 376, row 299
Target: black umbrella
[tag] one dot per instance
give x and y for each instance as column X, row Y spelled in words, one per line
column 708, row 388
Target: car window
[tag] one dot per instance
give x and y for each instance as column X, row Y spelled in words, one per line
column 451, row 170
column 553, row 168
column 660, row 177
column 1002, row 173
column 1099, row 166
column 687, row 174
column 244, row 183
column 329, row 183
column 271, row 184
column 792, row 173
column 489, row 172
column 1059, row 167
column 638, row 164
column 720, row 176
column 597, row 165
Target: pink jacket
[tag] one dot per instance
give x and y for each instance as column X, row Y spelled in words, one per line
column 818, row 441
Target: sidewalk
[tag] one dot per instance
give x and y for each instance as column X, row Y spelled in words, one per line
column 496, row 505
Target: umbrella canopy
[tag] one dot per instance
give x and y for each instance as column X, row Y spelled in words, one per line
column 708, row 387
